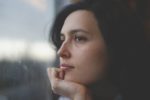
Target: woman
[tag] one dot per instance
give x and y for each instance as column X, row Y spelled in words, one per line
column 98, row 46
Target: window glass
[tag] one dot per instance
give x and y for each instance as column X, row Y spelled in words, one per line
column 25, row 52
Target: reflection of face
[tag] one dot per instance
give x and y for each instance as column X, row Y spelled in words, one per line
column 83, row 48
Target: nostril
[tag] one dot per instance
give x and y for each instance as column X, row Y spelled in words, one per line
column 64, row 53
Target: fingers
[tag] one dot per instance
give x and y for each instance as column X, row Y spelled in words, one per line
column 56, row 75
column 61, row 86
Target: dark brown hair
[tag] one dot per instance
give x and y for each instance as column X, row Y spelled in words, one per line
column 123, row 34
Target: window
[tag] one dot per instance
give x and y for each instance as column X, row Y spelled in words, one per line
column 25, row 52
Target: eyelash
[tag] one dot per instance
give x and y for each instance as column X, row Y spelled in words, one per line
column 80, row 38
column 76, row 38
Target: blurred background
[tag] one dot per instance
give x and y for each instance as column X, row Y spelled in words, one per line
column 25, row 52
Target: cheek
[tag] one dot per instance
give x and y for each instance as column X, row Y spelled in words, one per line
column 92, row 55
column 91, row 63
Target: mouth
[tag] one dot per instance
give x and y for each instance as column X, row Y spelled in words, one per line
column 66, row 66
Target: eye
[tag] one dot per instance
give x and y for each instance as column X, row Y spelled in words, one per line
column 80, row 38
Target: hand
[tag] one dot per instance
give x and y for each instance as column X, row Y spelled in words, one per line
column 65, row 88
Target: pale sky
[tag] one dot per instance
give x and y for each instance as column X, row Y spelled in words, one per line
column 26, row 19
column 24, row 28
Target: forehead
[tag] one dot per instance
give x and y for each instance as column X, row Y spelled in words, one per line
column 80, row 19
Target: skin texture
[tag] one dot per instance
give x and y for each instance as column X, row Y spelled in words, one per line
column 83, row 49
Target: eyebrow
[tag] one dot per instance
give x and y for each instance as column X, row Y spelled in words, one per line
column 75, row 31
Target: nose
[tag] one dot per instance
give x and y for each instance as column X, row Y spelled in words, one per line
column 64, row 51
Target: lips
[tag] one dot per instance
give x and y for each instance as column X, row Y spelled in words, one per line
column 66, row 66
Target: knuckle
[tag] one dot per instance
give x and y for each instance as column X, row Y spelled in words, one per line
column 54, row 85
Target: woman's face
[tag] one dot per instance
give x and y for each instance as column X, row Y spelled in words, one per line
column 83, row 51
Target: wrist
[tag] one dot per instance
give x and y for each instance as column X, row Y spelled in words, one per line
column 82, row 94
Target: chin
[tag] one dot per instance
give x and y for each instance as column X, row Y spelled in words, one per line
column 77, row 80
column 72, row 79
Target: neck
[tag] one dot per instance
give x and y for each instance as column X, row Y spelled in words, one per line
column 103, row 90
